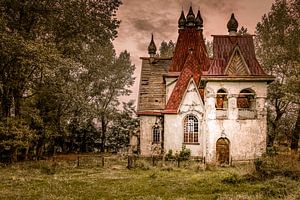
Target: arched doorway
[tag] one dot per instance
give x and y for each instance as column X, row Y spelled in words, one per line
column 222, row 149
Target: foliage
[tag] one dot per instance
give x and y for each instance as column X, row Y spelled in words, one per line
column 122, row 127
column 60, row 74
column 166, row 49
column 169, row 155
column 280, row 165
column 15, row 134
column 243, row 31
column 278, row 36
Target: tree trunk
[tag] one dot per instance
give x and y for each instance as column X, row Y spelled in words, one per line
column 6, row 102
column 296, row 135
column 103, row 135
column 272, row 132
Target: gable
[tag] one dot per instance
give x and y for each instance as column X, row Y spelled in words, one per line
column 223, row 48
column 191, row 100
column 237, row 64
column 190, row 70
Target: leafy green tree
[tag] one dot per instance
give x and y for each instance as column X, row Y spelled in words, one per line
column 122, row 127
column 14, row 136
column 243, row 31
column 278, row 36
column 58, row 67
column 166, row 49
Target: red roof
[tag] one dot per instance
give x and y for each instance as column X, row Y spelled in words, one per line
column 190, row 70
column 189, row 39
column 223, row 47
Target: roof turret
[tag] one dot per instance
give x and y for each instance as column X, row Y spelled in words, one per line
column 181, row 21
column 232, row 25
column 199, row 21
column 152, row 47
column 190, row 18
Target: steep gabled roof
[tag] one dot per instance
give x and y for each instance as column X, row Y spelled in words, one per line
column 191, row 69
column 189, row 39
column 223, row 48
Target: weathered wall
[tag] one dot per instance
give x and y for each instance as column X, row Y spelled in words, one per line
column 173, row 124
column 146, row 125
column 152, row 87
column 247, row 136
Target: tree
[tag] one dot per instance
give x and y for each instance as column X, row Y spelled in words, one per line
column 278, row 36
column 166, row 49
column 243, row 31
column 58, row 67
column 122, row 127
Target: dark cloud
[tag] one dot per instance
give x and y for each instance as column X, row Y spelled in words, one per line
column 143, row 25
column 140, row 18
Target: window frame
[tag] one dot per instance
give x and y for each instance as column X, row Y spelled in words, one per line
column 191, row 129
column 156, row 135
column 249, row 96
column 222, row 94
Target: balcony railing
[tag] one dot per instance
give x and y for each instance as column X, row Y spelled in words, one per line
column 221, row 113
column 246, row 113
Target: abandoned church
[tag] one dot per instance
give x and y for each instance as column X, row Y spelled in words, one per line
column 214, row 106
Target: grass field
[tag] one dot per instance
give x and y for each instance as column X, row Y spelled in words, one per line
column 65, row 180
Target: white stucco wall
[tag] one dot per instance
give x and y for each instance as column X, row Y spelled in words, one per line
column 173, row 124
column 247, row 136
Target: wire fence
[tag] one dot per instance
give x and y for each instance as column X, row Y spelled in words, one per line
column 128, row 161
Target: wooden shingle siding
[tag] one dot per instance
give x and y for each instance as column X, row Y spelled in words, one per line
column 152, row 92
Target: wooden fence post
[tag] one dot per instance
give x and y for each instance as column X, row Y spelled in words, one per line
column 129, row 163
column 77, row 161
column 102, row 161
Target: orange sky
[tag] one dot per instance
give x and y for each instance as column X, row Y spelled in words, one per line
column 140, row 18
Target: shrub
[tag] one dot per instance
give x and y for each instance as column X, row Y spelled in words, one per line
column 185, row 153
column 280, row 165
column 169, row 155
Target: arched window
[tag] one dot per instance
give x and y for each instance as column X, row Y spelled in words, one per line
column 221, row 100
column 156, row 135
column 246, row 100
column 191, row 129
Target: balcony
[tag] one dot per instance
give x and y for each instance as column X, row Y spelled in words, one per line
column 246, row 113
column 221, row 113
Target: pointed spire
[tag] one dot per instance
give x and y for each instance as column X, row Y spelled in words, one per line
column 232, row 25
column 181, row 21
column 152, row 47
column 199, row 21
column 190, row 18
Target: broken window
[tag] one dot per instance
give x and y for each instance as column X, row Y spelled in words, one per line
column 191, row 129
column 156, row 135
column 221, row 100
column 246, row 100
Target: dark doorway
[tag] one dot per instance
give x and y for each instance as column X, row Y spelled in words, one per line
column 222, row 148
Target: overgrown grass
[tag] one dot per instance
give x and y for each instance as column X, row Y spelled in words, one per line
column 65, row 180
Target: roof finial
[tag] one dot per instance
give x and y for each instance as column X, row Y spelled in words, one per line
column 190, row 18
column 232, row 25
column 152, row 47
column 181, row 21
column 199, row 21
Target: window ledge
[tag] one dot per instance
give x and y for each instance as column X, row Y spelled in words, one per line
column 191, row 143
